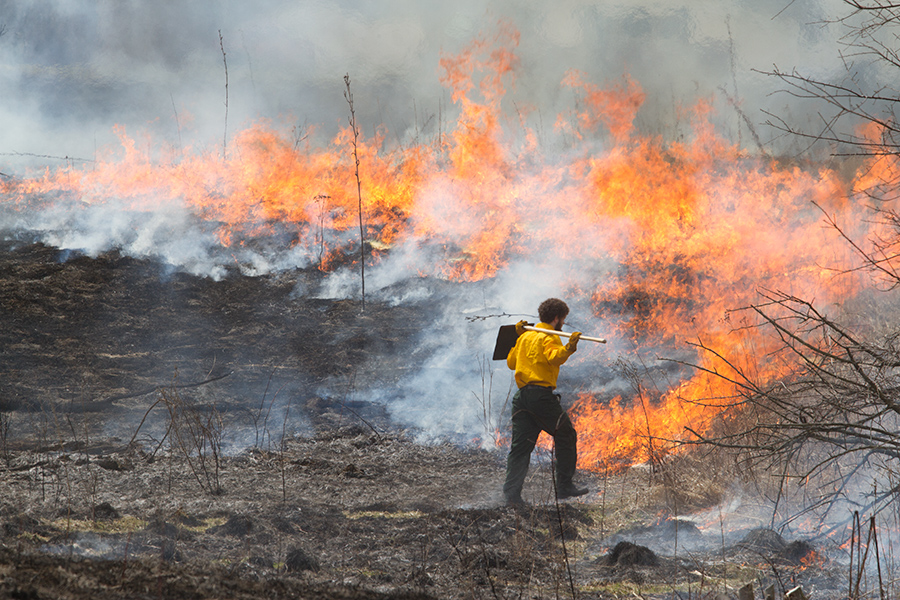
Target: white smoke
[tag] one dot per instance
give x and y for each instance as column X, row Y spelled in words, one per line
column 72, row 69
column 453, row 388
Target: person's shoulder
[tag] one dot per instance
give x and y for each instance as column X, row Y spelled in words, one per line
column 544, row 326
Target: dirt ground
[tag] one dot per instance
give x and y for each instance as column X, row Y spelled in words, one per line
column 350, row 514
column 115, row 483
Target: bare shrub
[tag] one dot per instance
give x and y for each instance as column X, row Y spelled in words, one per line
column 490, row 417
column 833, row 415
column 195, row 431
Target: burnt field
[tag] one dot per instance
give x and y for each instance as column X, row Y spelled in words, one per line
column 86, row 334
column 166, row 435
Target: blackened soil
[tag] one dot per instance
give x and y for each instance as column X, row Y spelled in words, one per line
column 83, row 333
column 344, row 514
column 118, row 382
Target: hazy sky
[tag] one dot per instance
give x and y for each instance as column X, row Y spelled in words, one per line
column 72, row 69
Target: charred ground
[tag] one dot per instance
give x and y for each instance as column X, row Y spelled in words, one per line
column 88, row 331
column 346, row 506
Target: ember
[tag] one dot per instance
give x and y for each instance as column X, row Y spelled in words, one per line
column 800, row 552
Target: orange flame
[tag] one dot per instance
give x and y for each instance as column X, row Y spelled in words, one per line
column 813, row 560
column 696, row 226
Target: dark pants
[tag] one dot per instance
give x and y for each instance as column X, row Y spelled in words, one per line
column 536, row 409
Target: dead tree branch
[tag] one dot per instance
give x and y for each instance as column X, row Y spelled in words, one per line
column 225, row 62
column 362, row 239
column 833, row 412
column 840, row 404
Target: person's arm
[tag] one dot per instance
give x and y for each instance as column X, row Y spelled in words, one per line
column 555, row 352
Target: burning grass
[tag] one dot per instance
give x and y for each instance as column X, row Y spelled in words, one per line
column 230, row 400
column 659, row 242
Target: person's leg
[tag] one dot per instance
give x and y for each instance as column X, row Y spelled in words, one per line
column 525, row 432
column 565, row 440
column 545, row 406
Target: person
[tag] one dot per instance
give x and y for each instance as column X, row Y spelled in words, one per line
column 535, row 359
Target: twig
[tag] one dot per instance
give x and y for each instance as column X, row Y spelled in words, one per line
column 281, row 454
column 362, row 241
column 562, row 531
column 372, row 427
column 501, row 316
column 225, row 62
column 65, row 158
column 177, row 123
column 141, row 424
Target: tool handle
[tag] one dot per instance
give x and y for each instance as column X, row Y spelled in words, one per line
column 564, row 334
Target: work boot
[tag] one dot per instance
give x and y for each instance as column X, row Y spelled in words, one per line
column 570, row 491
column 515, row 502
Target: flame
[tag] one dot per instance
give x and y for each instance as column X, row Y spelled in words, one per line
column 812, row 559
column 696, row 226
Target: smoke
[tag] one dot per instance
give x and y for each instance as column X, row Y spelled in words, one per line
column 454, row 390
column 72, row 69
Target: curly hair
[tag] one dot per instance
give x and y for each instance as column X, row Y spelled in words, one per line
column 552, row 308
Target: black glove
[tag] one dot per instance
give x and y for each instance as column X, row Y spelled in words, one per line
column 520, row 327
column 572, row 344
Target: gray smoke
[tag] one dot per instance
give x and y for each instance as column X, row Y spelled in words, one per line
column 71, row 69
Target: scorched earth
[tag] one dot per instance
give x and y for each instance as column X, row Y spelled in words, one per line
column 170, row 436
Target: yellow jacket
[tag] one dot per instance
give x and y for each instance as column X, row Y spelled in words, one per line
column 536, row 358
